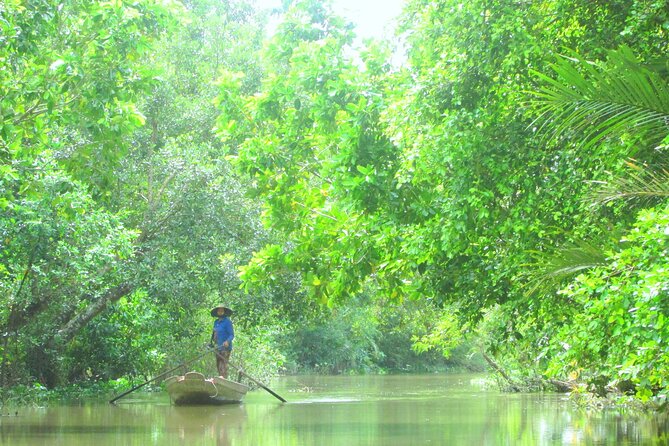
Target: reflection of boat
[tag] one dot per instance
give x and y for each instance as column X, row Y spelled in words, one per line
column 205, row 425
column 194, row 388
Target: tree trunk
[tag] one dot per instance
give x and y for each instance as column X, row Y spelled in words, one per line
column 513, row 386
column 74, row 325
column 563, row 386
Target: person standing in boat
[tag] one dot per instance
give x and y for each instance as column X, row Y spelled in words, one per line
column 221, row 338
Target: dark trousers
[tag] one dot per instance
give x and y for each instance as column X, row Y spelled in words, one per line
column 222, row 359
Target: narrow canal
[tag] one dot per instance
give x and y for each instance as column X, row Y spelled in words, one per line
column 340, row 410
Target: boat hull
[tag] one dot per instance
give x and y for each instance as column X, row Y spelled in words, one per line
column 194, row 388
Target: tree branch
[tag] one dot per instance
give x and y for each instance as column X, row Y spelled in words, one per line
column 74, row 325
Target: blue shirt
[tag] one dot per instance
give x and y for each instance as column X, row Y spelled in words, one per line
column 224, row 332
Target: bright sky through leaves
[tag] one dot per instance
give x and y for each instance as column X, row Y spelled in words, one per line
column 372, row 18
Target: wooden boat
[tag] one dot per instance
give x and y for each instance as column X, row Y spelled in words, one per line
column 194, row 388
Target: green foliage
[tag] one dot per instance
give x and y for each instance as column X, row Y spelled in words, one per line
column 108, row 225
column 370, row 335
column 639, row 183
column 612, row 335
column 159, row 158
column 620, row 333
column 418, row 336
column 432, row 181
column 425, row 179
column 343, row 342
column 445, row 336
column 547, row 271
column 59, row 249
column 70, row 74
column 196, row 224
column 126, row 341
column 606, row 100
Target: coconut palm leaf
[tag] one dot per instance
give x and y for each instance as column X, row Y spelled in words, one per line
column 605, row 99
column 641, row 184
column 550, row 270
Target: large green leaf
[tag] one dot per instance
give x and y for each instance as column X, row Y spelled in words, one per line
column 643, row 184
column 600, row 100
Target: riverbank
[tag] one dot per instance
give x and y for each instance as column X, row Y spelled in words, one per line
column 39, row 395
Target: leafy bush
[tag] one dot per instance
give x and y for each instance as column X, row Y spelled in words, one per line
column 621, row 333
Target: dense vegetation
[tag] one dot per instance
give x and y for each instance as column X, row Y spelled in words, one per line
column 499, row 190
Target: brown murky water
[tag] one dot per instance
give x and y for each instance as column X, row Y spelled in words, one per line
column 340, row 410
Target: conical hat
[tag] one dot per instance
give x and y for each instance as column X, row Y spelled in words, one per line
column 226, row 311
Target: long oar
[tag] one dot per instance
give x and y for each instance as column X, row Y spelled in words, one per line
column 112, row 401
column 250, row 378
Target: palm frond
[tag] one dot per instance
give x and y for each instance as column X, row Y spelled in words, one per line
column 604, row 99
column 641, row 184
column 550, row 270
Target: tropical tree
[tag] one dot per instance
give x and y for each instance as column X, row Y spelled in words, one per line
column 433, row 180
column 311, row 145
column 109, row 224
column 69, row 76
column 615, row 336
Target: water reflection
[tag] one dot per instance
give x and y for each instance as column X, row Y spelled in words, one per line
column 206, row 425
column 370, row 410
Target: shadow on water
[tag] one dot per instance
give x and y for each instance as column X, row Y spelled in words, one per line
column 340, row 410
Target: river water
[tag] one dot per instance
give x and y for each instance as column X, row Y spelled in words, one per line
column 339, row 410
